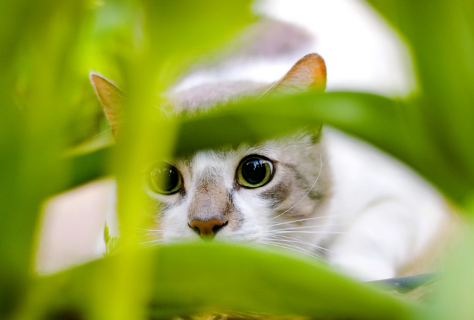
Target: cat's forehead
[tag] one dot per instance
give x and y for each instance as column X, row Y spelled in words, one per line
column 221, row 157
column 284, row 148
column 205, row 96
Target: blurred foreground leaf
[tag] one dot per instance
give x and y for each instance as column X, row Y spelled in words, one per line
column 163, row 38
column 39, row 51
column 380, row 120
column 453, row 297
column 206, row 277
column 441, row 37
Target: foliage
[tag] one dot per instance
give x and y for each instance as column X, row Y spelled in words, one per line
column 45, row 53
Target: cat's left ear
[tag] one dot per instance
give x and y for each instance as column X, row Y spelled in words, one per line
column 309, row 73
column 111, row 98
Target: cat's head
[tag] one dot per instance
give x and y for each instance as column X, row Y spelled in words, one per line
column 250, row 193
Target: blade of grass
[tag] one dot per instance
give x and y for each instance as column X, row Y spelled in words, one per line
column 165, row 34
column 35, row 55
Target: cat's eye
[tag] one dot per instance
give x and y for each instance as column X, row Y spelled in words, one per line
column 254, row 171
column 165, row 179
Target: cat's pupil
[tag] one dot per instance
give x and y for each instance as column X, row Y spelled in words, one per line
column 171, row 178
column 254, row 171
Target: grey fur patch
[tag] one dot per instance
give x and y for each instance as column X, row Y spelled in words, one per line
column 277, row 194
column 212, row 201
column 298, row 175
column 209, row 95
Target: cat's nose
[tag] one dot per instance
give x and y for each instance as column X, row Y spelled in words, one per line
column 207, row 228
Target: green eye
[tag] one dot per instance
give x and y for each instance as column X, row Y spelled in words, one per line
column 165, row 179
column 254, row 172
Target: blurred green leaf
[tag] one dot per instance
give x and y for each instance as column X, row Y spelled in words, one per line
column 37, row 64
column 160, row 40
column 182, row 31
column 89, row 166
column 381, row 121
column 441, row 36
column 453, row 297
column 204, row 277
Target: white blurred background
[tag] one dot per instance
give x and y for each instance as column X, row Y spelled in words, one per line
column 361, row 51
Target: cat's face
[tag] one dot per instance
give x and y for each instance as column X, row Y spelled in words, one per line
column 240, row 194
column 250, row 193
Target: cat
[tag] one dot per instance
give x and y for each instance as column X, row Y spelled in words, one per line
column 321, row 193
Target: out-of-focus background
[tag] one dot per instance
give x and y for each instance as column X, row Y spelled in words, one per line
column 54, row 138
column 361, row 52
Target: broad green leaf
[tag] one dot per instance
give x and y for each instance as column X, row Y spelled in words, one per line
column 208, row 277
column 441, row 36
column 380, row 120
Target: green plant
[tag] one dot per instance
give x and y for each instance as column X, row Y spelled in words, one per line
column 46, row 49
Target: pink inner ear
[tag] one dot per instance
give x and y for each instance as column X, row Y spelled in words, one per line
column 111, row 98
column 309, row 73
column 315, row 63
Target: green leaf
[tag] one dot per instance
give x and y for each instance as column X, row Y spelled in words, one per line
column 86, row 167
column 187, row 27
column 381, row 121
column 441, row 36
column 183, row 31
column 38, row 55
column 384, row 122
column 453, row 297
column 207, row 277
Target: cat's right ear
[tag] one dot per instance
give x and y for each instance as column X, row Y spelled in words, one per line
column 111, row 98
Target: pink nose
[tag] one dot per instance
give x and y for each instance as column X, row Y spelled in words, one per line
column 207, row 228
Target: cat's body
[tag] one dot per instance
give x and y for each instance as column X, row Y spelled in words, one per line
column 322, row 194
column 390, row 216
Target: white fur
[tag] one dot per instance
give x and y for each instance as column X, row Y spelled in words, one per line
column 393, row 214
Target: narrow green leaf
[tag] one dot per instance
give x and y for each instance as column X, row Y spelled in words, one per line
column 37, row 60
column 89, row 166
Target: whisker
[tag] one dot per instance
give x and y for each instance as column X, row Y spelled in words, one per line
column 145, row 235
column 102, row 132
column 306, row 219
column 278, row 232
column 292, row 240
column 105, row 131
column 151, row 230
column 310, row 227
column 151, row 242
column 309, row 232
column 293, row 248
